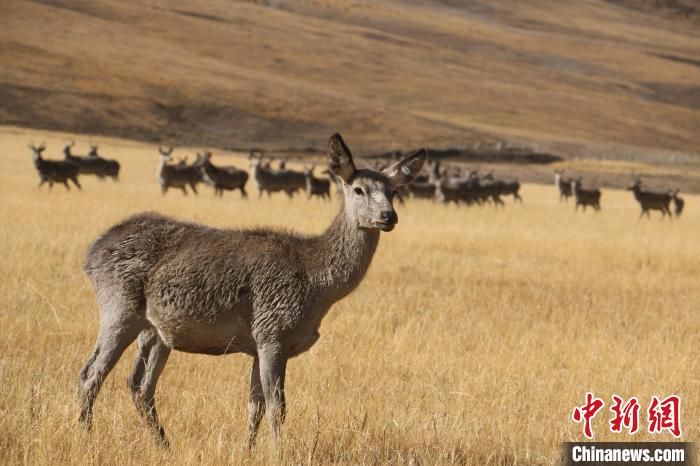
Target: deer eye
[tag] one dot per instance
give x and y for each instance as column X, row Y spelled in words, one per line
column 359, row 192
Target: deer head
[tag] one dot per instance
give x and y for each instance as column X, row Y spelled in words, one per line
column 367, row 193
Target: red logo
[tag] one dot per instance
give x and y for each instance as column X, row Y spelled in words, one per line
column 663, row 415
column 626, row 415
column 587, row 412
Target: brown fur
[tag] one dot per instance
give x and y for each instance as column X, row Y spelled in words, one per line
column 651, row 200
column 189, row 287
column 54, row 171
column 222, row 178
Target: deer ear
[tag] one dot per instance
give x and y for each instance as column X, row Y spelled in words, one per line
column 340, row 159
column 405, row 170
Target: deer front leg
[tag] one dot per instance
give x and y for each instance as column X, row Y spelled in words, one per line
column 273, row 364
column 256, row 403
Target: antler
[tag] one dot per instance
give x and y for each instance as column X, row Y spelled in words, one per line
column 165, row 150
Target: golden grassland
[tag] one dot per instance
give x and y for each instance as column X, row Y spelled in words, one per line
column 472, row 338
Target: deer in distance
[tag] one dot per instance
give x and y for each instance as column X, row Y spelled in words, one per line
column 271, row 181
column 91, row 164
column 320, row 187
column 563, row 185
column 504, row 188
column 651, row 200
column 177, row 285
column 585, row 197
column 221, row 178
column 678, row 203
column 177, row 175
column 424, row 186
column 105, row 167
column 54, row 171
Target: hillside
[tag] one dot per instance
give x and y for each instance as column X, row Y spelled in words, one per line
column 610, row 79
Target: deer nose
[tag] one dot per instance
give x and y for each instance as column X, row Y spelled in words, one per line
column 389, row 216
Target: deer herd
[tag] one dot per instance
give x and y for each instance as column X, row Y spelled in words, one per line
column 438, row 182
column 174, row 285
column 648, row 200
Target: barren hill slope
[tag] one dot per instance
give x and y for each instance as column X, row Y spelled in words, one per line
column 608, row 78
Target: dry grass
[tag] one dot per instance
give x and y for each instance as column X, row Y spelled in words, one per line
column 472, row 338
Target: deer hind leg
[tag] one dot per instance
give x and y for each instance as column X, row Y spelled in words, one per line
column 273, row 364
column 74, row 179
column 41, row 183
column 116, row 335
column 150, row 361
column 256, row 403
column 65, row 183
column 243, row 193
column 184, row 190
column 193, row 186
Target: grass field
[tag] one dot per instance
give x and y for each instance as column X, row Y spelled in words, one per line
column 471, row 340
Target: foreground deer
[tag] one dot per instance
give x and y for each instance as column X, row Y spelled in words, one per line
column 54, row 171
column 183, row 286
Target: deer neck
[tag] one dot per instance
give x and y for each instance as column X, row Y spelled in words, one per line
column 161, row 167
column 342, row 256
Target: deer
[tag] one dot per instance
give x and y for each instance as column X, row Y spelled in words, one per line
column 424, row 186
column 87, row 164
column 270, row 181
column 54, row 171
column 481, row 189
column 678, row 203
column 457, row 189
column 176, row 176
column 105, row 167
column 222, row 178
column 320, row 187
column 505, row 188
column 585, row 197
column 563, row 185
column 651, row 200
column 176, row 285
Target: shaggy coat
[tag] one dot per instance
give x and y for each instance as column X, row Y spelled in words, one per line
column 183, row 286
